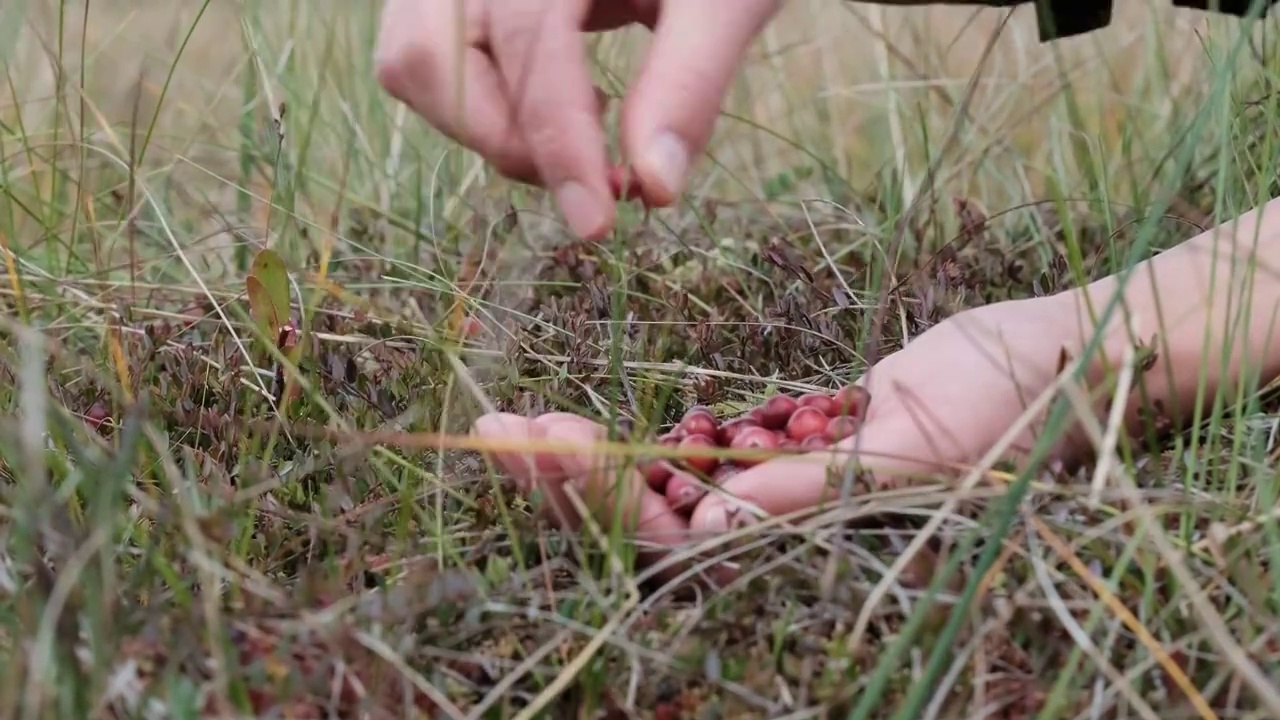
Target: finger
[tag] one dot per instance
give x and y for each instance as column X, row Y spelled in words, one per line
column 671, row 109
column 520, row 442
column 539, row 52
column 423, row 62
column 781, row 486
column 611, row 490
column 525, row 456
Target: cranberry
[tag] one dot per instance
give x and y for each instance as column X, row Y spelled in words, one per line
column 730, row 430
column 815, row 442
column 699, row 421
column 777, row 411
column 806, row 422
column 656, row 474
column 701, row 463
column 852, row 400
column 824, row 404
column 755, row 438
column 683, row 491
column 839, row 428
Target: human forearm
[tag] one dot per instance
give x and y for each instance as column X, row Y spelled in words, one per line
column 1209, row 309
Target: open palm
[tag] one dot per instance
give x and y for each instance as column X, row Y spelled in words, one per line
column 939, row 404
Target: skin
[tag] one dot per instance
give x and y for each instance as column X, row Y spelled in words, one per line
column 531, row 111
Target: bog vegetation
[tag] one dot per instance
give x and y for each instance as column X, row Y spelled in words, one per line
column 250, row 306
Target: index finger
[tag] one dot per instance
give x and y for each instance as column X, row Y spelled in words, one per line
column 778, row 487
column 539, row 52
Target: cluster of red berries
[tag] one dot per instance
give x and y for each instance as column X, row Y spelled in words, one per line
column 783, row 424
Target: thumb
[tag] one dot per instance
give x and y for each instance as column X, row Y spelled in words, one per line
column 671, row 110
column 778, row 487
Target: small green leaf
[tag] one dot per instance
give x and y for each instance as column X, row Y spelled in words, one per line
column 261, row 307
column 268, row 287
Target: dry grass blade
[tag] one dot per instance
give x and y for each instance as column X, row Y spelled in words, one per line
column 194, row 523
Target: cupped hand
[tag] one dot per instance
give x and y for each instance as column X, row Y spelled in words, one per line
column 510, row 80
column 938, row 405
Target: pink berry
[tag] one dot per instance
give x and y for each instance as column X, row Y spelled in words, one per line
column 620, row 180
column 701, row 463
column 656, row 474
column 684, row 491
column 806, row 422
column 671, row 439
column 852, row 400
column 839, row 428
column 755, row 438
column 699, row 421
column 815, row 442
column 821, row 402
column 97, row 415
column 776, row 411
column 730, row 429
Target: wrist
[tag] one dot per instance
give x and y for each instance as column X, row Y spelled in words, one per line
column 1198, row 319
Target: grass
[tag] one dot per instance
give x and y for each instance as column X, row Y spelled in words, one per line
column 176, row 541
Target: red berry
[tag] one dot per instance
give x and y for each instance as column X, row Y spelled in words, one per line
column 701, row 463
column 656, row 474
column 672, row 438
column 839, row 428
column 620, row 177
column 788, row 444
column 777, row 411
column 806, row 421
column 470, row 327
column 97, row 415
column 821, row 402
column 700, row 421
column 815, row 442
column 684, row 491
column 852, row 400
column 754, row 438
column 730, row 429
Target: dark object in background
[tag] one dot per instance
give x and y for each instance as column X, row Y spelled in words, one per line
column 1060, row 19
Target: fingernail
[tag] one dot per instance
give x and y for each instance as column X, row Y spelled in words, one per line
column 582, row 209
column 668, row 157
